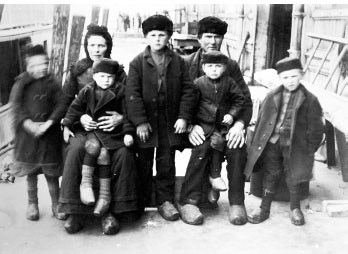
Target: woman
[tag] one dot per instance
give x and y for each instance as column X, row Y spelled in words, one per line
column 124, row 182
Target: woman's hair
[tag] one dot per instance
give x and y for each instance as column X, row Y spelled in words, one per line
column 92, row 30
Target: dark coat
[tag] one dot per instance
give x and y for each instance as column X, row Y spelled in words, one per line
column 39, row 100
column 111, row 100
column 194, row 64
column 307, row 128
column 215, row 100
column 142, row 94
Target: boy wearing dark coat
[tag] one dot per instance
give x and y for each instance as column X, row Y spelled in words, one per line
column 289, row 130
column 98, row 97
column 220, row 102
column 160, row 103
column 36, row 98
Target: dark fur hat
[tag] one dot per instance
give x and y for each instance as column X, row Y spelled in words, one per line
column 212, row 25
column 214, row 57
column 105, row 65
column 35, row 50
column 288, row 63
column 157, row 22
column 93, row 29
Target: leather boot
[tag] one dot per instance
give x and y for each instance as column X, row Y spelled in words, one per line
column 74, row 223
column 168, row 211
column 237, row 214
column 110, row 225
column 297, row 217
column 258, row 215
column 33, row 212
column 191, row 214
column 59, row 216
column 213, row 196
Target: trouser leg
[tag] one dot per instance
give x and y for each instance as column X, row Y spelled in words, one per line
column 32, row 189
column 216, row 163
column 145, row 164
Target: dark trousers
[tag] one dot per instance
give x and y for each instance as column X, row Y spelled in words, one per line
column 275, row 160
column 124, row 179
column 196, row 173
column 165, row 171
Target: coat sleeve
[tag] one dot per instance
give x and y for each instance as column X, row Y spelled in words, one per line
column 134, row 101
column 76, row 110
column 316, row 126
column 128, row 127
column 19, row 112
column 187, row 102
column 237, row 98
column 58, row 103
column 247, row 110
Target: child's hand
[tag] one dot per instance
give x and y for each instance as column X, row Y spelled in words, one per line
column 228, row 119
column 88, row 123
column 143, row 131
column 30, row 126
column 43, row 128
column 180, row 126
column 67, row 133
column 128, row 140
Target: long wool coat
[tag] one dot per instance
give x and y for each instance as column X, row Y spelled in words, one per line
column 194, row 64
column 38, row 100
column 111, row 100
column 307, row 128
column 142, row 95
column 215, row 100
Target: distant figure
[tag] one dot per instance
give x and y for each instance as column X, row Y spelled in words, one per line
column 288, row 131
column 38, row 108
column 126, row 22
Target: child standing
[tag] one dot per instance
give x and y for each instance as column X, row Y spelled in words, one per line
column 37, row 108
column 289, row 130
column 219, row 103
column 160, row 102
column 95, row 100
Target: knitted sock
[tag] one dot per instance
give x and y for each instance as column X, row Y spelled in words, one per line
column 104, row 189
column 53, row 188
column 295, row 200
column 87, row 175
column 32, row 189
column 267, row 198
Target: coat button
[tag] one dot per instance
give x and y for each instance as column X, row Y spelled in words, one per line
column 259, row 148
column 270, row 123
column 154, row 99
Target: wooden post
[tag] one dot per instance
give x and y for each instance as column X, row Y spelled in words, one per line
column 59, row 39
column 77, row 26
column 1, row 10
column 105, row 17
column 95, row 14
column 296, row 30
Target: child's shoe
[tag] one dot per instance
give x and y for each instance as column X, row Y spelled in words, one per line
column 101, row 207
column 213, row 196
column 58, row 215
column 297, row 217
column 33, row 212
column 104, row 197
column 218, row 184
column 86, row 191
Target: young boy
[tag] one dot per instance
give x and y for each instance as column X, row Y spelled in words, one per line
column 36, row 98
column 289, row 130
column 94, row 100
column 219, row 104
column 160, row 103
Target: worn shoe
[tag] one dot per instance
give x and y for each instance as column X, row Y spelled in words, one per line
column 74, row 223
column 101, row 207
column 87, row 194
column 110, row 225
column 237, row 214
column 218, row 184
column 213, row 196
column 191, row 214
column 59, row 216
column 33, row 212
column 258, row 215
column 168, row 211
column 297, row 217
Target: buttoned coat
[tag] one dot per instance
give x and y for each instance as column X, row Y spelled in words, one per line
column 215, row 100
column 111, row 100
column 307, row 128
column 194, row 64
column 142, row 95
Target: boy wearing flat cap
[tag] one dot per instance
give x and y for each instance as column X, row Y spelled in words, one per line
column 95, row 99
column 160, row 102
column 220, row 102
column 211, row 31
column 288, row 131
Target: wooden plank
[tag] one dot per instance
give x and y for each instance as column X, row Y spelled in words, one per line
column 77, row 26
column 338, row 60
column 328, row 38
column 59, row 39
column 95, row 14
column 312, row 55
column 322, row 61
column 1, row 10
column 105, row 17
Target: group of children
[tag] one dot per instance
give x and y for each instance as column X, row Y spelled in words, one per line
column 160, row 104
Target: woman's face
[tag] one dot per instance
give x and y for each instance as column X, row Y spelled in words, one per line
column 96, row 47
